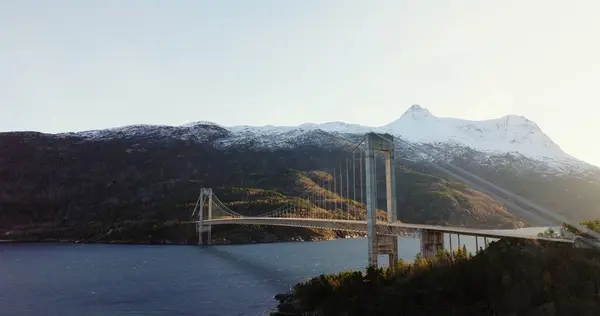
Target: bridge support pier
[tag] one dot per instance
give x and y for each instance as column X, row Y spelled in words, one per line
column 388, row 245
column 431, row 242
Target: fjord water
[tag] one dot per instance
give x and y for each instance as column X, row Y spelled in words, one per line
column 75, row 279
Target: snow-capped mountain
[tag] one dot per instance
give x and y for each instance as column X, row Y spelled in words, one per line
column 509, row 134
column 513, row 135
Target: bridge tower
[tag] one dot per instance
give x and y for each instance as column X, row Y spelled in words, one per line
column 380, row 244
column 206, row 196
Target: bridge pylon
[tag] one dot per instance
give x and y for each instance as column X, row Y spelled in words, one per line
column 206, row 197
column 378, row 245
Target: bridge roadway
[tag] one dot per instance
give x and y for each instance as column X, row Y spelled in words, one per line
column 383, row 228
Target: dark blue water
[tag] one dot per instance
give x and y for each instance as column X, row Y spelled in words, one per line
column 68, row 279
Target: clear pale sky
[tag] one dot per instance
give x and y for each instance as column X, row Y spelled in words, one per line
column 78, row 65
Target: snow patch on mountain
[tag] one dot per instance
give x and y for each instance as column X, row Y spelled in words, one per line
column 339, row 127
column 331, row 127
column 273, row 137
column 198, row 131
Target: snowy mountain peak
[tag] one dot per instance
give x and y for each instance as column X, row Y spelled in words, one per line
column 416, row 112
column 508, row 134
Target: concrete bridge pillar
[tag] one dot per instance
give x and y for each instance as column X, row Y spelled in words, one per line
column 390, row 185
column 210, row 207
column 431, row 242
column 205, row 195
column 200, row 224
column 371, row 188
column 380, row 244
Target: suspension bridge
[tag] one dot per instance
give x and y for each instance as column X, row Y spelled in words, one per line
column 345, row 199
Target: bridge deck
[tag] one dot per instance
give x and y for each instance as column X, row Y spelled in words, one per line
column 384, row 228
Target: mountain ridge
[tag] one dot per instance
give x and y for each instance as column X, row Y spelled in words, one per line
column 509, row 134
